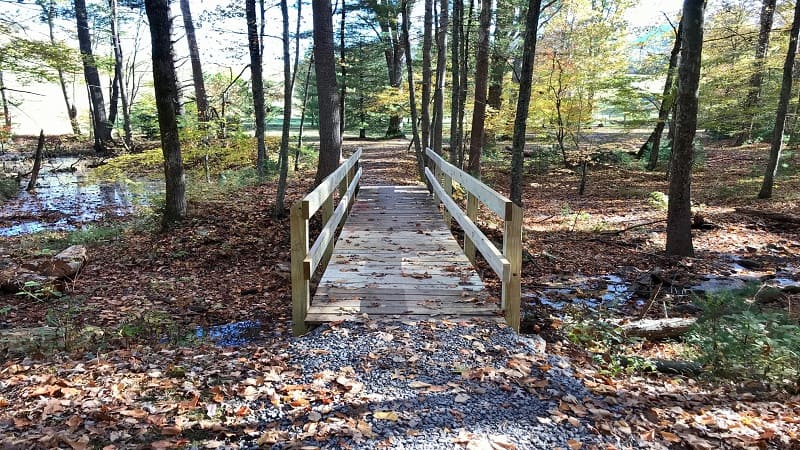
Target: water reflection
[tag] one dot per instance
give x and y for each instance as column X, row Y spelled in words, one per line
column 66, row 198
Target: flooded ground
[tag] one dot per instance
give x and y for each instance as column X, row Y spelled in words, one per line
column 66, row 197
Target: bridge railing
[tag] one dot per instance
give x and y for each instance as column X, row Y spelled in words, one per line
column 306, row 260
column 506, row 263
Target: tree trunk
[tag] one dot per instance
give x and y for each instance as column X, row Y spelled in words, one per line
column 504, row 21
column 427, row 44
column 37, row 162
column 258, row 84
column 72, row 112
column 464, row 82
column 343, row 65
column 197, row 69
column 481, row 79
column 455, row 67
column 679, row 214
column 100, row 125
column 330, row 138
column 667, row 100
column 4, row 101
column 658, row 329
column 411, row 96
column 119, row 76
column 783, row 106
column 751, row 103
column 288, row 85
column 165, row 83
column 302, row 114
column 524, row 99
column 441, row 67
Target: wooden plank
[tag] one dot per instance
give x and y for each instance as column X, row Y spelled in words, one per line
column 488, row 196
column 512, row 248
column 324, row 318
column 314, row 199
column 301, row 296
column 388, row 291
column 493, row 256
column 472, row 213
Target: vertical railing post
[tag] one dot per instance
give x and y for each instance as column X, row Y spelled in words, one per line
column 448, row 189
column 512, row 250
column 472, row 213
column 301, row 293
column 327, row 212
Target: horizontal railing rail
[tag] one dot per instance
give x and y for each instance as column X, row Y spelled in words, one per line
column 506, row 263
column 305, row 260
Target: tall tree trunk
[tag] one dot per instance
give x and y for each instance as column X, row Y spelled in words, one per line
column 288, row 85
column 441, row 67
column 330, row 138
column 197, row 69
column 481, row 79
column 679, row 214
column 343, row 66
column 411, row 95
column 667, row 100
column 4, row 101
column 427, row 44
column 72, row 112
column 302, row 113
column 504, row 21
column 464, row 83
column 119, row 76
column 455, row 67
column 165, row 83
column 100, row 124
column 783, row 105
column 254, row 46
column 751, row 102
column 524, row 99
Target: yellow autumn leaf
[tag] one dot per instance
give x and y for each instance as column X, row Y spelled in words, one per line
column 386, row 415
column 574, row 445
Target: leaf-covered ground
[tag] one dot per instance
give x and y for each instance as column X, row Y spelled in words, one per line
column 142, row 379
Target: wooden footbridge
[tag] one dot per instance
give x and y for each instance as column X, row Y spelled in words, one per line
column 395, row 256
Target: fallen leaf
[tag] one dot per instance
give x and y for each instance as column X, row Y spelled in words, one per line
column 574, row 445
column 386, row 415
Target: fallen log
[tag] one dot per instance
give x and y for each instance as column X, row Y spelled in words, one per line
column 657, row 329
column 772, row 215
column 66, row 264
column 669, row 366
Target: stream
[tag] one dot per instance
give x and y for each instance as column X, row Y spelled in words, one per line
column 67, row 198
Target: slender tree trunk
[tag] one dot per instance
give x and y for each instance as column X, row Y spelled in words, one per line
column 72, row 112
column 302, row 114
column 4, row 101
column 455, row 67
column 100, row 124
column 441, row 67
column 288, row 85
column 524, row 99
column 679, row 214
column 667, row 100
column 197, row 68
column 411, row 96
column 119, row 76
column 481, row 79
column 37, row 162
column 463, row 83
column 783, row 106
column 330, row 138
column 258, row 84
column 427, row 44
column 752, row 100
column 343, row 66
column 165, row 83
column 504, row 17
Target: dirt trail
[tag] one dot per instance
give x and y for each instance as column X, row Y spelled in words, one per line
column 387, row 162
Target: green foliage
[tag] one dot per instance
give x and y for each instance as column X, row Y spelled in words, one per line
column 658, row 200
column 737, row 340
column 144, row 116
column 154, row 327
column 38, row 292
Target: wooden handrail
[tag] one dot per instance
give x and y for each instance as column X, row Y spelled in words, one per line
column 305, row 261
column 507, row 264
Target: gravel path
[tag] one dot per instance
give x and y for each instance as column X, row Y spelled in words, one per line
column 430, row 385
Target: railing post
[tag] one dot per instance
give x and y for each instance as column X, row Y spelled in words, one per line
column 327, row 212
column 472, row 213
column 301, row 293
column 512, row 250
column 448, row 188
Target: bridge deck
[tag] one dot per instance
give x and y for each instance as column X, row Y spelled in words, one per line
column 396, row 258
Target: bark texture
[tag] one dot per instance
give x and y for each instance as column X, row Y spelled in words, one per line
column 330, row 138
column 481, row 80
column 165, row 83
column 288, row 84
column 427, row 76
column 100, row 124
column 667, row 100
column 197, row 68
column 441, row 67
column 679, row 215
column 411, row 97
column 256, row 78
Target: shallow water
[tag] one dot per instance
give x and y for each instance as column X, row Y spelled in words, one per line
column 608, row 290
column 232, row 334
column 66, row 198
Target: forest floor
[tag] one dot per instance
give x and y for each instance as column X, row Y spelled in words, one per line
column 132, row 325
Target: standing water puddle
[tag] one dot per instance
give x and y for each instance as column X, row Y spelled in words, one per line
column 232, row 334
column 65, row 198
column 608, row 290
